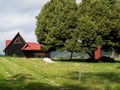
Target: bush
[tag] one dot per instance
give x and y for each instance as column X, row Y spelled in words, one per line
column 106, row 59
column 14, row 55
column 91, row 60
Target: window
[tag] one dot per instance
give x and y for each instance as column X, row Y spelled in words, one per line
column 17, row 41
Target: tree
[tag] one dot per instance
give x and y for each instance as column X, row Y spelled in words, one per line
column 61, row 24
column 72, row 44
column 54, row 24
column 99, row 23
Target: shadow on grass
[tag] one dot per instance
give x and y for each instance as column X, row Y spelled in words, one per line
column 23, row 82
column 83, row 60
column 71, row 60
column 99, row 78
column 92, row 81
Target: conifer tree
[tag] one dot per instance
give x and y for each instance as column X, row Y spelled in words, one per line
column 62, row 23
column 55, row 23
column 99, row 23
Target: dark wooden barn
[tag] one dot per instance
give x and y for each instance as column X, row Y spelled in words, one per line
column 19, row 47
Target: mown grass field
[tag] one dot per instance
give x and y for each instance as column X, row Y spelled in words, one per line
column 34, row 74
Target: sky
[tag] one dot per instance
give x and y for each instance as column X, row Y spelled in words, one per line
column 19, row 16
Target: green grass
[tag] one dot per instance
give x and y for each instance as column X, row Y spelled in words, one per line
column 34, row 74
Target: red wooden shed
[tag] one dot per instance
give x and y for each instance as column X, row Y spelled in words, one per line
column 97, row 53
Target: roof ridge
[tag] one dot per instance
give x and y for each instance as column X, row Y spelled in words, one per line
column 26, row 45
column 31, row 46
column 13, row 40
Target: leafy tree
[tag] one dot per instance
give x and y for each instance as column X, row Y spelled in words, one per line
column 55, row 23
column 61, row 25
column 99, row 23
column 72, row 44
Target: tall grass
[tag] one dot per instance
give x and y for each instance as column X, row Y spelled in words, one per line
column 34, row 74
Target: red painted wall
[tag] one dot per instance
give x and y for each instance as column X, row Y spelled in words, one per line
column 97, row 53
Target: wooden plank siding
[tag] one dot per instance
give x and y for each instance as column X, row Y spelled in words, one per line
column 14, row 48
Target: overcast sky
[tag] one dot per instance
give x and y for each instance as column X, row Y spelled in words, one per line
column 19, row 16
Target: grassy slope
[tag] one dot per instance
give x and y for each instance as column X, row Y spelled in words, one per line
column 33, row 74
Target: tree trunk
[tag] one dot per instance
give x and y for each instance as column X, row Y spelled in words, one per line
column 113, row 53
column 71, row 55
column 92, row 57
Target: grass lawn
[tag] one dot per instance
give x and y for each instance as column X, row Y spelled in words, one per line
column 34, row 74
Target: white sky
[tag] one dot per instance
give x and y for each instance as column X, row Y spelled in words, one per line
column 19, row 16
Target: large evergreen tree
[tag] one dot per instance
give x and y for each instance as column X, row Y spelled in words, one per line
column 61, row 25
column 99, row 23
column 55, row 23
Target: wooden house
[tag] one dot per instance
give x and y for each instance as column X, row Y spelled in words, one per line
column 19, row 47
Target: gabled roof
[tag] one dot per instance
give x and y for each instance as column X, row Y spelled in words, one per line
column 8, row 43
column 31, row 46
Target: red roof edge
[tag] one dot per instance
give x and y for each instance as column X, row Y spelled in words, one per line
column 31, row 46
column 8, row 42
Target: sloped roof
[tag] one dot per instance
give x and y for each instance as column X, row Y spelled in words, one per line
column 8, row 42
column 31, row 46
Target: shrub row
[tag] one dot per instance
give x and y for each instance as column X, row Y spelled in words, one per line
column 102, row 59
column 106, row 59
